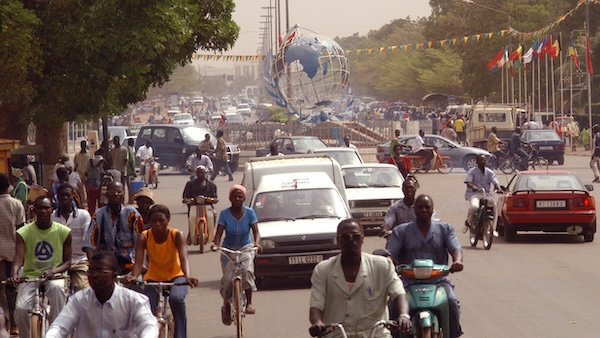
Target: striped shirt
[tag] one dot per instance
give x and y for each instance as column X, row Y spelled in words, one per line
column 12, row 214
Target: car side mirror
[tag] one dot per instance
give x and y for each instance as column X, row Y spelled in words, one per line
column 589, row 187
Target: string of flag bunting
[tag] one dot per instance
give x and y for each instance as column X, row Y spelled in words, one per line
column 422, row 45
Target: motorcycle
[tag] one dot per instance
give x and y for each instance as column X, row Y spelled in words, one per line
column 151, row 167
column 427, row 301
column 483, row 229
column 443, row 164
column 201, row 221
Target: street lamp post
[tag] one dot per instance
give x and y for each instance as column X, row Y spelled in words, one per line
column 471, row 2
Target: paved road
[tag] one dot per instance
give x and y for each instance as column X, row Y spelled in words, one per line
column 538, row 286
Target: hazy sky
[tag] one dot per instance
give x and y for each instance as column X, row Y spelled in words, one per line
column 330, row 18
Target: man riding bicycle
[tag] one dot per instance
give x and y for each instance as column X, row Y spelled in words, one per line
column 515, row 148
column 478, row 178
column 493, row 144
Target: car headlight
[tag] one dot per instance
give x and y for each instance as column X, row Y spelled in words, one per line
column 267, row 244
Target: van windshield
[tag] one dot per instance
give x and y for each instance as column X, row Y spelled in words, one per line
column 299, row 204
column 196, row 134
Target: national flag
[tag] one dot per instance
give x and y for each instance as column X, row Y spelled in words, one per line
column 548, row 47
column 495, row 60
column 527, row 57
column 516, row 57
column 573, row 53
column 588, row 54
column 534, row 48
column 555, row 50
column 504, row 58
column 540, row 49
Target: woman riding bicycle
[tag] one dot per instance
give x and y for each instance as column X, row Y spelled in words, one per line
column 167, row 261
column 237, row 222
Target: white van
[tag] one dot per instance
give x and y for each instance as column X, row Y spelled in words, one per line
column 298, row 207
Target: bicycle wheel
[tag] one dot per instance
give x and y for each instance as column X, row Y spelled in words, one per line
column 445, row 167
column 507, row 166
column 539, row 163
column 36, row 326
column 201, row 234
column 488, row 234
column 237, row 306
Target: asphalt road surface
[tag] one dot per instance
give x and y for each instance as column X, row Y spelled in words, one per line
column 539, row 286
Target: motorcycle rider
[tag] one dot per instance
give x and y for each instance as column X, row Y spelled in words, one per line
column 427, row 239
column 198, row 159
column 515, row 148
column 418, row 149
column 143, row 153
column 201, row 186
column 493, row 145
column 402, row 211
column 480, row 177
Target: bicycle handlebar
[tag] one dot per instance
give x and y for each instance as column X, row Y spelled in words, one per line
column 36, row 280
column 238, row 252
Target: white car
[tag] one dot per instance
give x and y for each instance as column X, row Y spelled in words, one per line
column 183, row 118
column 244, row 109
column 372, row 189
column 173, row 111
column 198, row 100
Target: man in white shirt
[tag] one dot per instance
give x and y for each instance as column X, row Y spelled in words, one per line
column 347, row 143
column 143, row 153
column 198, row 159
column 418, row 148
column 12, row 216
column 106, row 309
column 78, row 220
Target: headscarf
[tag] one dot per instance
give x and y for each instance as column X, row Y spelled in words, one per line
column 237, row 187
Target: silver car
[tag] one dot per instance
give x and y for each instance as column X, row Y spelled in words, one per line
column 465, row 157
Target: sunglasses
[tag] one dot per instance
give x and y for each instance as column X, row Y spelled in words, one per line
column 351, row 237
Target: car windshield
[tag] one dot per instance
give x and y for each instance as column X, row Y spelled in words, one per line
column 196, row 134
column 541, row 182
column 372, row 177
column 299, row 204
column 305, row 144
column 546, row 135
column 182, row 117
column 342, row 157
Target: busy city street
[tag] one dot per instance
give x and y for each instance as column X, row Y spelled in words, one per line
column 538, row 286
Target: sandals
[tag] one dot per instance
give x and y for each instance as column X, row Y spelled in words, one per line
column 226, row 314
column 250, row 310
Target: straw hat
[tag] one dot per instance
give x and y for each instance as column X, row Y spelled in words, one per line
column 144, row 192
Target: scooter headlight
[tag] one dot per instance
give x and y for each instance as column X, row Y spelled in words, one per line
column 267, row 244
column 200, row 199
column 423, row 273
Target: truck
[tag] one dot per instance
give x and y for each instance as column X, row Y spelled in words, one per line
column 485, row 116
column 299, row 201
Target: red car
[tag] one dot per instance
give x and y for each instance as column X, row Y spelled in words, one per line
column 548, row 201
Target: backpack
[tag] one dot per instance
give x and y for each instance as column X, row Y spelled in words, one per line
column 107, row 178
column 93, row 174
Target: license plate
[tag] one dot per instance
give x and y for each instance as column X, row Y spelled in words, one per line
column 546, row 147
column 305, row 259
column 374, row 213
column 551, row 204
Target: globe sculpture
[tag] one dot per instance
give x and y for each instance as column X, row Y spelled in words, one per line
column 306, row 70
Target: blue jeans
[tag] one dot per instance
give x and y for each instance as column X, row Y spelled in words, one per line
column 177, row 303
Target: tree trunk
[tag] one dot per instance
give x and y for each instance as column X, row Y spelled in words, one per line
column 52, row 138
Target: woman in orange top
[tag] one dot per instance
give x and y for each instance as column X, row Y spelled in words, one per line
column 167, row 261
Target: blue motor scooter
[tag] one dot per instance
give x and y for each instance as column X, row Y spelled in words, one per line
column 428, row 301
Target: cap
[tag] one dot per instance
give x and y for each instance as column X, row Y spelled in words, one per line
column 144, row 192
column 69, row 164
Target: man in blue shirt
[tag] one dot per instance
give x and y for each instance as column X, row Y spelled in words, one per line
column 427, row 239
column 478, row 178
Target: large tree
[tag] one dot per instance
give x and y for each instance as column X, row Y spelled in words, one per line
column 96, row 57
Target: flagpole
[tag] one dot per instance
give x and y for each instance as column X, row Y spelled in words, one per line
column 562, row 87
column 502, row 90
column 553, row 86
column 588, row 55
column 539, row 86
column 533, row 85
column 547, row 82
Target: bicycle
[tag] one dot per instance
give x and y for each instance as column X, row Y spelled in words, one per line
column 38, row 316
column 483, row 229
column 166, row 323
column 330, row 328
column 238, row 300
column 511, row 163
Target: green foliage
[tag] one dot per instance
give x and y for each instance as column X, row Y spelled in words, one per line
column 278, row 114
column 98, row 56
